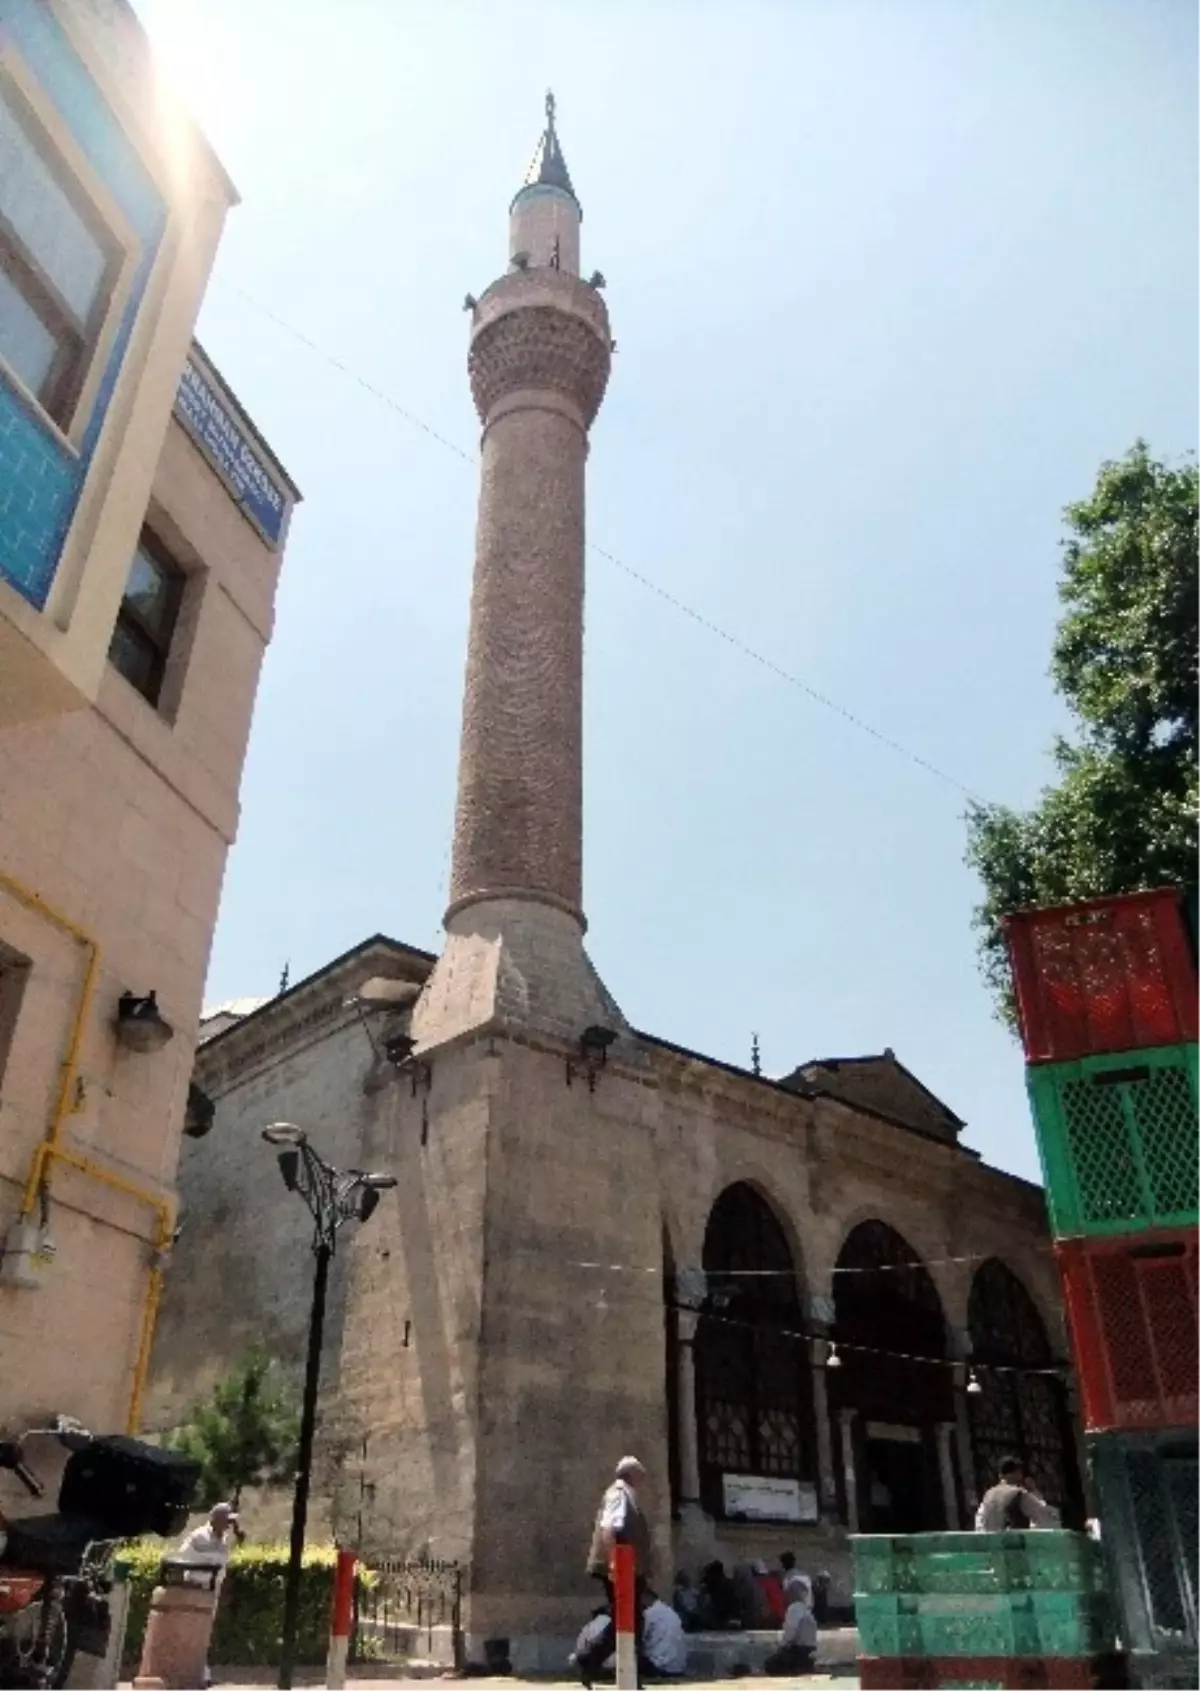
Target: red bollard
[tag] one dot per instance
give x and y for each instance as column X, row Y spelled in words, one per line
column 624, row 1617
column 340, row 1620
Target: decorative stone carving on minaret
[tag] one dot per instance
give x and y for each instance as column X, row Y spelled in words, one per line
column 538, row 365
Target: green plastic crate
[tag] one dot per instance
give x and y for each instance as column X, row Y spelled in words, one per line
column 970, row 1563
column 1118, row 1140
column 1031, row 1623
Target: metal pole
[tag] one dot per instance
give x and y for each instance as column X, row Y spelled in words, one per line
column 623, row 1575
column 308, row 1420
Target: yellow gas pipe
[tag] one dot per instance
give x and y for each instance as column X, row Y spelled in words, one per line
column 51, row 1150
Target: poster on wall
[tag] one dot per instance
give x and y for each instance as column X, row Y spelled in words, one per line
column 752, row 1498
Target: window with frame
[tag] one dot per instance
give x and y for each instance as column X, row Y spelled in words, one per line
column 14, row 976
column 141, row 640
column 59, row 263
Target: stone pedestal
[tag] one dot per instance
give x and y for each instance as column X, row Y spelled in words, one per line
column 175, row 1648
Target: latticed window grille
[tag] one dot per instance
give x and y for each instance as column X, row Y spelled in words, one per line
column 1018, row 1412
column 753, row 1387
column 886, row 1303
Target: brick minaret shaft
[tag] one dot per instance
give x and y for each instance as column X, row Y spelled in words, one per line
column 539, row 363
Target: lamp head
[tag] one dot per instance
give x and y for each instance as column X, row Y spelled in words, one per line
column 284, row 1133
column 371, row 1187
column 141, row 1025
column 594, row 1042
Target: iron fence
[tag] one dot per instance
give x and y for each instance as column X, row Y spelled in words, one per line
column 405, row 1607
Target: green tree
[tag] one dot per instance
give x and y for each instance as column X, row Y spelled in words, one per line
column 1122, row 813
column 245, row 1435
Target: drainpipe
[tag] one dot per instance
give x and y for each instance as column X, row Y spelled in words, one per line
column 51, row 1150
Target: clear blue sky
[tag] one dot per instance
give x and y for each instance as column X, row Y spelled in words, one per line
column 888, row 279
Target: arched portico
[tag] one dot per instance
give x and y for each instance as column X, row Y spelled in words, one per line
column 891, row 1387
column 1020, row 1407
column 752, row 1380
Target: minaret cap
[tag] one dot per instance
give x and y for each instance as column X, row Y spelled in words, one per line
column 548, row 168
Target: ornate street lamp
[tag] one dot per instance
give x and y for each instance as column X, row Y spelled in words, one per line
column 333, row 1198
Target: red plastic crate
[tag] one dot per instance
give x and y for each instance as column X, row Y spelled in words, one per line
column 1132, row 1310
column 1111, row 974
column 1010, row 1673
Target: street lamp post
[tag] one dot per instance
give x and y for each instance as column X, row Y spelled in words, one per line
column 333, row 1198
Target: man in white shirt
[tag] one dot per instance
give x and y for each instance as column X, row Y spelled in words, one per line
column 620, row 1519
column 212, row 1543
column 798, row 1641
column 210, row 1546
column 1014, row 1504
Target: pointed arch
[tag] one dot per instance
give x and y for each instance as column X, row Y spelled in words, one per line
column 888, row 1316
column 1019, row 1410
column 753, row 1382
column 895, row 1385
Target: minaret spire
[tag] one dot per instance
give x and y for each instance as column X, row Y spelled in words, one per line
column 544, row 217
column 549, row 167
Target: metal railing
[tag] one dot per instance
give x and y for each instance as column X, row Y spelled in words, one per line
column 400, row 1606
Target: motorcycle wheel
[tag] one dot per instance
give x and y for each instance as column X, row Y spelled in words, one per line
column 23, row 1667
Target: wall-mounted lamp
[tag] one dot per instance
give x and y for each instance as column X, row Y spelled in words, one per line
column 974, row 1388
column 832, row 1359
column 141, row 1025
column 200, row 1113
column 398, row 1048
column 593, row 1055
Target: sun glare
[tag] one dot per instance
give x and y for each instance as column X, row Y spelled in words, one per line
column 186, row 55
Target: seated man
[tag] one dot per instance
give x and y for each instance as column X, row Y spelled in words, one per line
column 664, row 1652
column 687, row 1602
column 798, row 1642
column 594, row 1646
column 720, row 1596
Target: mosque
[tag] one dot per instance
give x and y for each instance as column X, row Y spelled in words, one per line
column 803, row 1302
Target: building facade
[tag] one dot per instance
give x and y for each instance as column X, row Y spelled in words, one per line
column 142, row 525
column 803, row 1302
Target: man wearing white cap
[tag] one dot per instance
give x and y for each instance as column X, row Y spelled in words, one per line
column 211, row 1544
column 619, row 1520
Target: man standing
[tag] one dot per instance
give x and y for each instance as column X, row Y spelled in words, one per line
column 210, row 1546
column 620, row 1519
column 213, row 1542
column 1014, row 1504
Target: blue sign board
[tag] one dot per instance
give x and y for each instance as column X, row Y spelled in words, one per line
column 213, row 425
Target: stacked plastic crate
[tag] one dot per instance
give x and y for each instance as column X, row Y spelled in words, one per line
column 1106, row 994
column 1021, row 1610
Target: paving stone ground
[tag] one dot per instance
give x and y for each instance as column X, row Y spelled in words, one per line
column 256, row 1678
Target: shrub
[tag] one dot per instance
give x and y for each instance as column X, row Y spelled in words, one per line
column 249, row 1622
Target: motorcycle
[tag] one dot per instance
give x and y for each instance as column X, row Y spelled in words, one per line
column 56, row 1570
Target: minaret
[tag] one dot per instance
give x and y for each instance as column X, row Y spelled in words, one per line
column 539, row 362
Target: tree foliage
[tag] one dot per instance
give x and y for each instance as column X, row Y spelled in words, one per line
column 1122, row 813
column 245, row 1435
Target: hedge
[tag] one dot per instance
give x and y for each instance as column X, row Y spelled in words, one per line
column 249, row 1623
